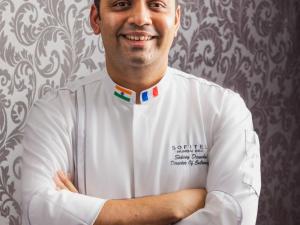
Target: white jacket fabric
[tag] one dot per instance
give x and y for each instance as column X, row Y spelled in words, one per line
column 186, row 133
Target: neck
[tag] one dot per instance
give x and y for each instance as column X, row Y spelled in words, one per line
column 136, row 78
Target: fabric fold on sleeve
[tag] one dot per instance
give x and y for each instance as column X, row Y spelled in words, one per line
column 61, row 207
column 220, row 209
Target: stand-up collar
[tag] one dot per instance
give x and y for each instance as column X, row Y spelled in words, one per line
column 129, row 96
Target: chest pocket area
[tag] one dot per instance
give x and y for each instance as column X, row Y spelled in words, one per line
column 190, row 163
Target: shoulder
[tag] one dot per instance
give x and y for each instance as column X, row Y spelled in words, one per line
column 192, row 79
column 87, row 81
column 61, row 101
column 216, row 102
column 67, row 92
column 200, row 86
column 204, row 89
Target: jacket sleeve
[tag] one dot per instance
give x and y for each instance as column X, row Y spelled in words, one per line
column 47, row 147
column 234, row 180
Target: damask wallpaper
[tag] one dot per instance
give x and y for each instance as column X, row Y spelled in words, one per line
column 250, row 46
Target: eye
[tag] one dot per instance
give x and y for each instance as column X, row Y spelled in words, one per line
column 121, row 4
column 157, row 4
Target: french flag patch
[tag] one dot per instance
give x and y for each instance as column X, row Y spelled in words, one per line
column 148, row 94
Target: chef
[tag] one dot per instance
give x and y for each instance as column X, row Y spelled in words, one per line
column 140, row 143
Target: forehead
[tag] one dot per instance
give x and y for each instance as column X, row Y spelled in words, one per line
column 166, row 1
column 171, row 4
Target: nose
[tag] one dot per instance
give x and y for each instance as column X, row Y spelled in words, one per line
column 140, row 14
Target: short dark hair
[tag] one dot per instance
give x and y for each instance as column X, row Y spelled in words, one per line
column 96, row 2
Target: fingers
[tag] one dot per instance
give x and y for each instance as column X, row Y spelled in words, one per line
column 59, row 184
column 63, row 181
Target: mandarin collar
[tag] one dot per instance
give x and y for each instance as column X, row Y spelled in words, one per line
column 128, row 96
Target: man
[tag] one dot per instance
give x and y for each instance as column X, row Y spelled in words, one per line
column 144, row 143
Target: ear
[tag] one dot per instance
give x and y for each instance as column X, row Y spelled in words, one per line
column 95, row 19
column 177, row 19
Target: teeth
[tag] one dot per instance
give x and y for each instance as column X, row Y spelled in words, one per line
column 138, row 38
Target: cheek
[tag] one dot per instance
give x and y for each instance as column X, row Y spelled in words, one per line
column 106, row 24
column 170, row 22
column 110, row 24
column 167, row 26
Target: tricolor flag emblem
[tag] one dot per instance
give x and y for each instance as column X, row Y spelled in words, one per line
column 123, row 93
column 146, row 95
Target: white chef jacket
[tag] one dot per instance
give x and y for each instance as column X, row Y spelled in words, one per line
column 186, row 133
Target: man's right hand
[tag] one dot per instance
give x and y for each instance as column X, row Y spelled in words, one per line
column 152, row 210
column 149, row 210
column 189, row 201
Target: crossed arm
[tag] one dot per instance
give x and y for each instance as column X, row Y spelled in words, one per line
column 159, row 210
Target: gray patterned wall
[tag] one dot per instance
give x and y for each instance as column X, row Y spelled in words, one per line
column 251, row 46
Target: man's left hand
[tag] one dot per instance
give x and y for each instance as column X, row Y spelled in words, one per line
column 63, row 181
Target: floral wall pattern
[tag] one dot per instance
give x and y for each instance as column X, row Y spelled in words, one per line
column 250, row 46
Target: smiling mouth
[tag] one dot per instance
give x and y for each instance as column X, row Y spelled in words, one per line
column 138, row 37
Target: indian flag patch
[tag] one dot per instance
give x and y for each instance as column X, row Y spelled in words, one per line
column 123, row 93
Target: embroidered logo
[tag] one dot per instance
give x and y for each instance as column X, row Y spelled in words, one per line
column 188, row 155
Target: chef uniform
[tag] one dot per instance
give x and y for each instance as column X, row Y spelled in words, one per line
column 186, row 133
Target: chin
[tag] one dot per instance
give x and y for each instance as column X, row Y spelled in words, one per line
column 139, row 61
